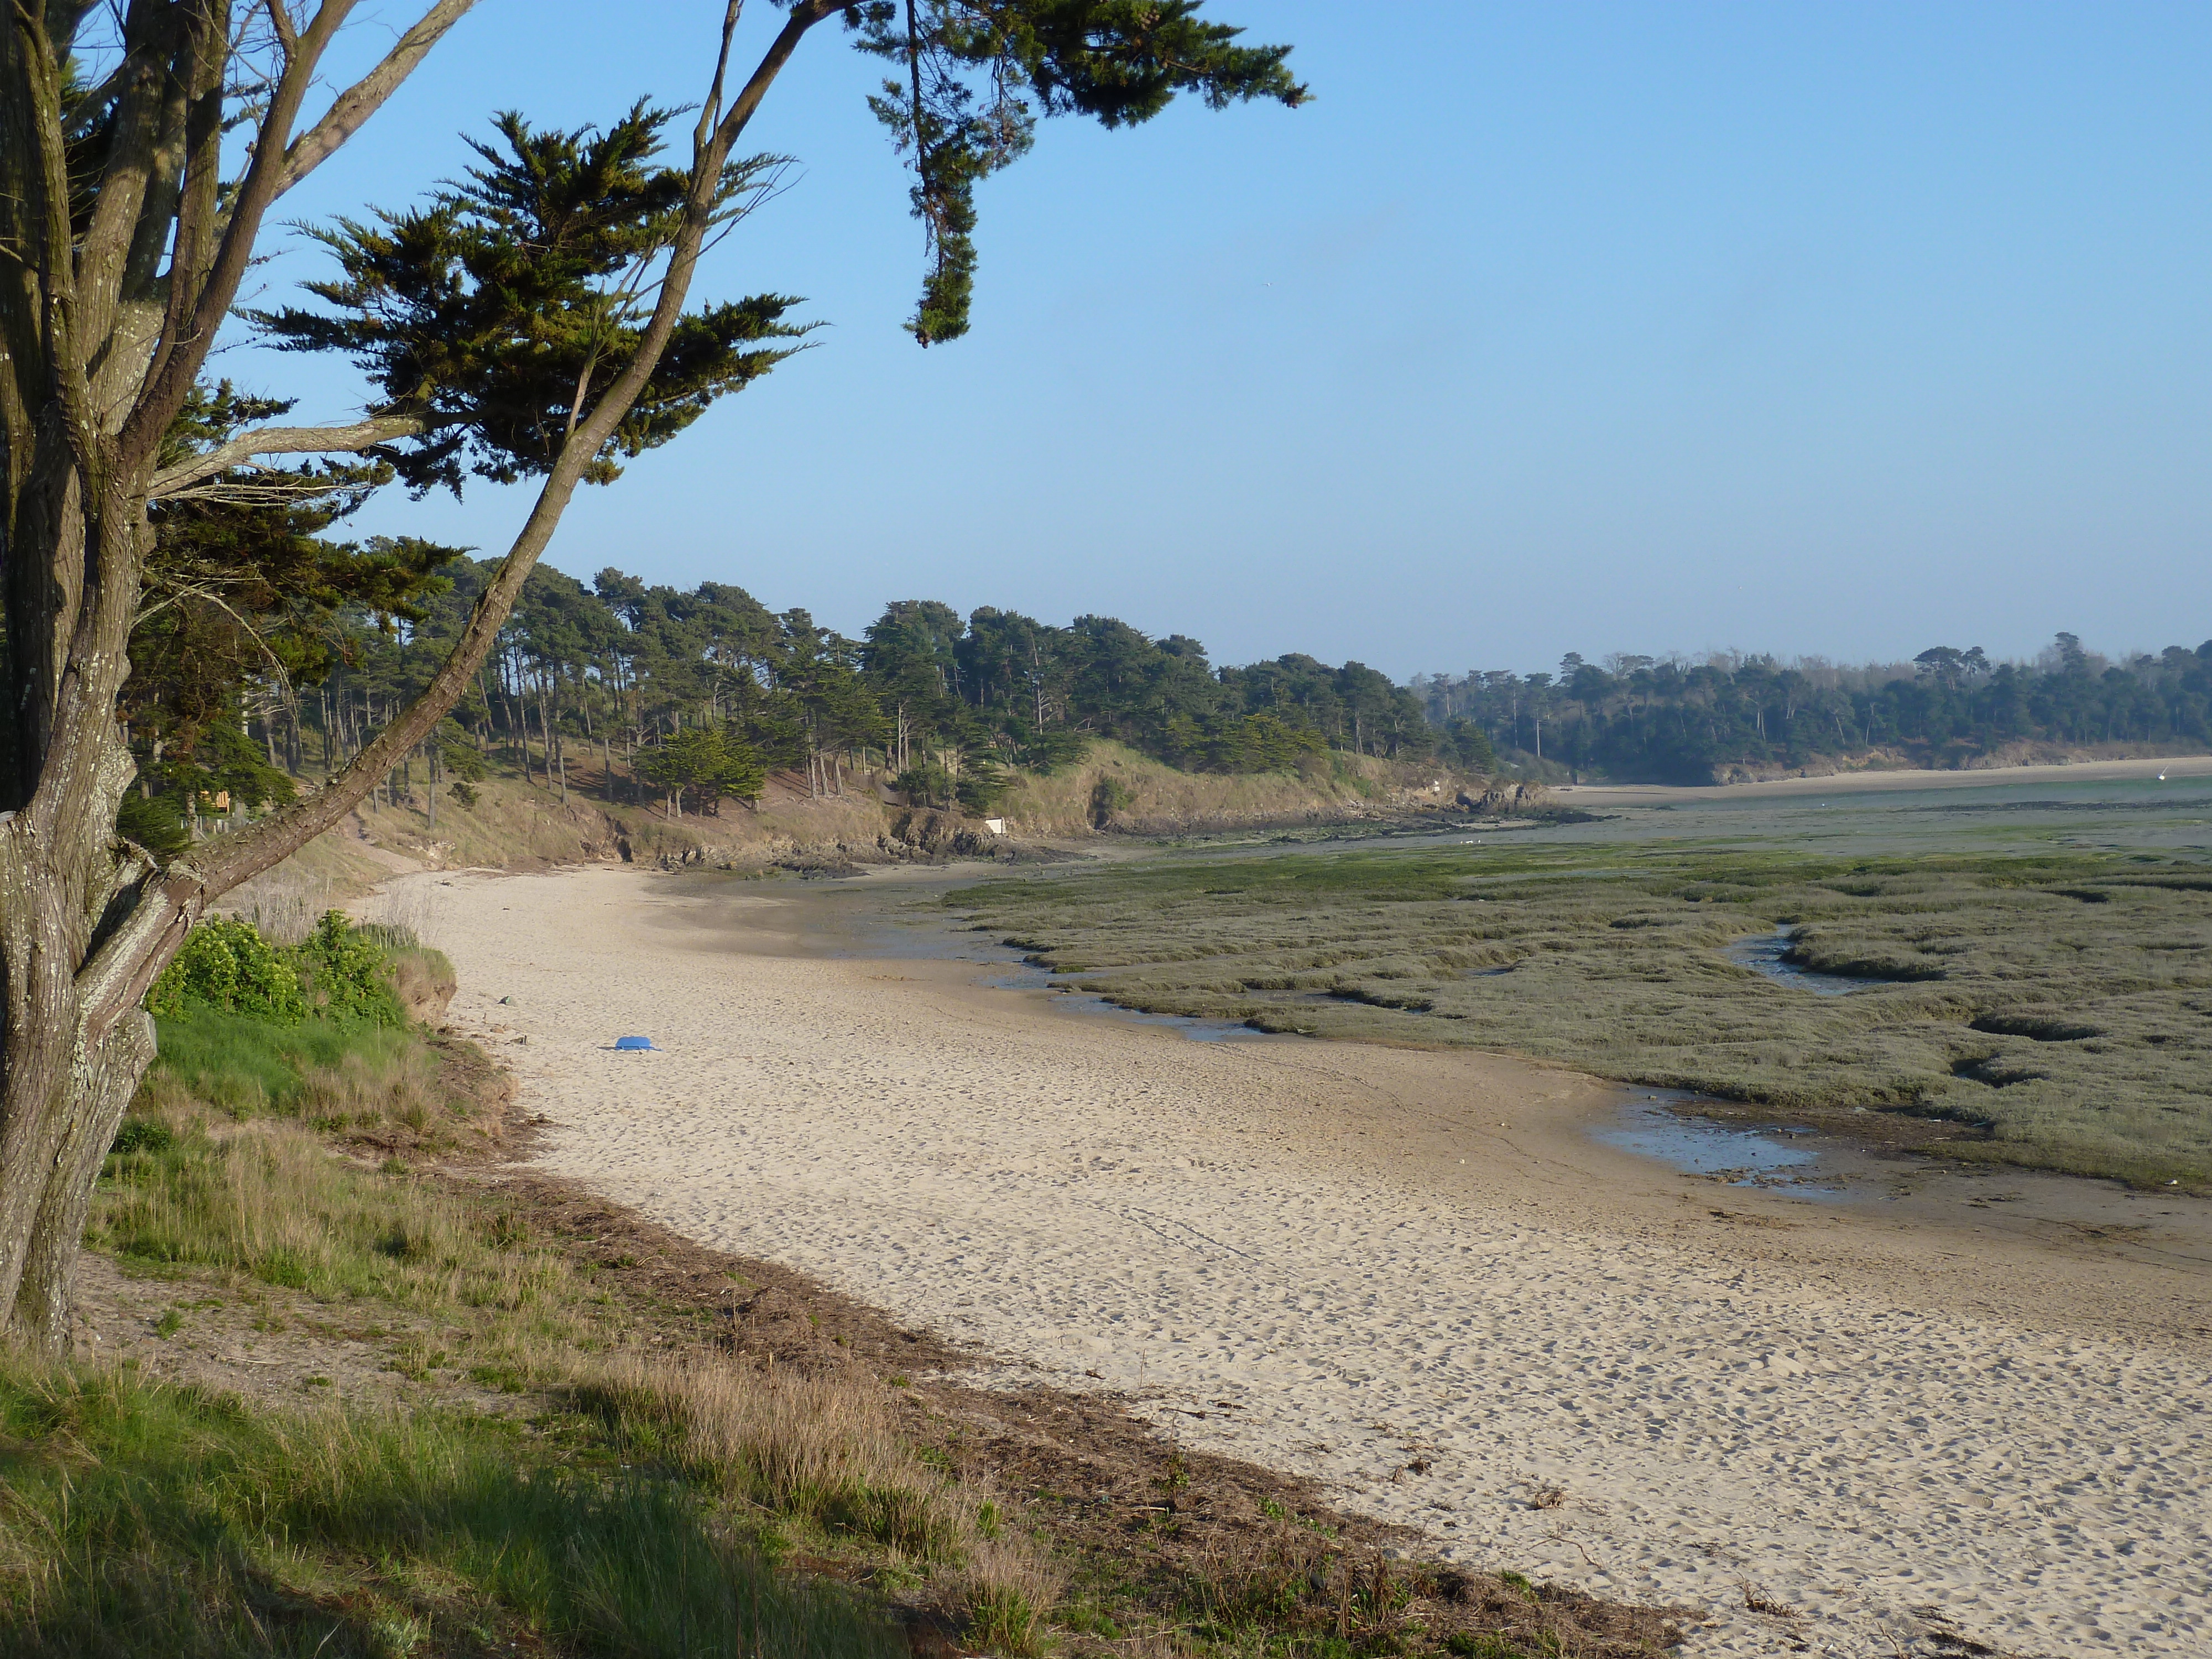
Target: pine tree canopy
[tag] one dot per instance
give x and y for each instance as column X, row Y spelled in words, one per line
column 976, row 75
column 497, row 314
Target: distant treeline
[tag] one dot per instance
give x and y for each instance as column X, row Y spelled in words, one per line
column 707, row 691
column 1639, row 719
column 693, row 696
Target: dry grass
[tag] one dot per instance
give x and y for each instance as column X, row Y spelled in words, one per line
column 1756, row 1599
column 285, row 904
column 824, row 1452
column 405, row 915
column 268, row 1201
column 1158, row 800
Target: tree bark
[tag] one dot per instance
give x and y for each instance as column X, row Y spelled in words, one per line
column 102, row 1081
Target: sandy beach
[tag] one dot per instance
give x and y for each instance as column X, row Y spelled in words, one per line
column 1411, row 1275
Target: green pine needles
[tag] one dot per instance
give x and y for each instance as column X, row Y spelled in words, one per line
column 702, row 760
column 499, row 313
column 976, row 74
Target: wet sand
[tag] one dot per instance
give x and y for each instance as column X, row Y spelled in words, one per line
column 1850, row 783
column 1413, row 1275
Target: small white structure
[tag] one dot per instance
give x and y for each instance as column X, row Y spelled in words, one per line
column 996, row 826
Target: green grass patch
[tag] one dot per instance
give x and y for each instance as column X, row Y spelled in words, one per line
column 145, row 1520
column 273, row 1204
column 245, row 1064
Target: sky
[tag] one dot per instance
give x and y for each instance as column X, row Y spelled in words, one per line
column 1840, row 330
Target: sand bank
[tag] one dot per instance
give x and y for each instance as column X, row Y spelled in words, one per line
column 1409, row 1274
column 2177, row 769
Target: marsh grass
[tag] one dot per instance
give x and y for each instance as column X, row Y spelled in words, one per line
column 2059, row 1003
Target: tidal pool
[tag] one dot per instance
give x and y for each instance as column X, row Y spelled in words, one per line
column 1768, row 1155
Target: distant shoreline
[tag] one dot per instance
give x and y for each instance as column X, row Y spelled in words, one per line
column 1632, row 794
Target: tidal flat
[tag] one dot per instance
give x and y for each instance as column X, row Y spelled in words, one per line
column 2033, row 963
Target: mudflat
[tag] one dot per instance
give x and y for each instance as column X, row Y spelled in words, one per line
column 1411, row 1274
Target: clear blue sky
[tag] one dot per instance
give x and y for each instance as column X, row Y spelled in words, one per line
column 1843, row 330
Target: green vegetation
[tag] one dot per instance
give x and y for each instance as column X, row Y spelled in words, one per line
column 2054, row 1002
column 633, row 1505
column 702, row 761
column 1649, row 720
column 709, row 691
column 337, row 973
column 147, row 1520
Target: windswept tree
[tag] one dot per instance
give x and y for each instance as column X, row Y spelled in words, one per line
column 698, row 760
column 531, row 323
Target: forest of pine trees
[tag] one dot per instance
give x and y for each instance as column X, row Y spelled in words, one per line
column 272, row 654
column 1641, row 720
column 691, row 697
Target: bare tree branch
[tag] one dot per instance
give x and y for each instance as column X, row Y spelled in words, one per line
column 280, row 440
column 805, row 14
column 203, row 290
column 367, row 95
column 280, row 20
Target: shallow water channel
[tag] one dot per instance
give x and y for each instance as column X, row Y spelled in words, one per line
column 1698, row 1139
column 1026, row 977
column 939, row 938
column 1765, row 953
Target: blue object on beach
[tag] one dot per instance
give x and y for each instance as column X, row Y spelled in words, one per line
column 635, row 1042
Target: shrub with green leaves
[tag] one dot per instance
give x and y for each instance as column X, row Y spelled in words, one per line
column 337, row 972
column 345, row 969
column 227, row 964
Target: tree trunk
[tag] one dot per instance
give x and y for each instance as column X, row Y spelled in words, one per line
column 101, row 1083
column 99, row 351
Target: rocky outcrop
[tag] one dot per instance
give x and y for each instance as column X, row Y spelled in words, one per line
column 919, row 832
column 1507, row 800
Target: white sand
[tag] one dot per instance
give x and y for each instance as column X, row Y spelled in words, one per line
column 1884, row 1427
